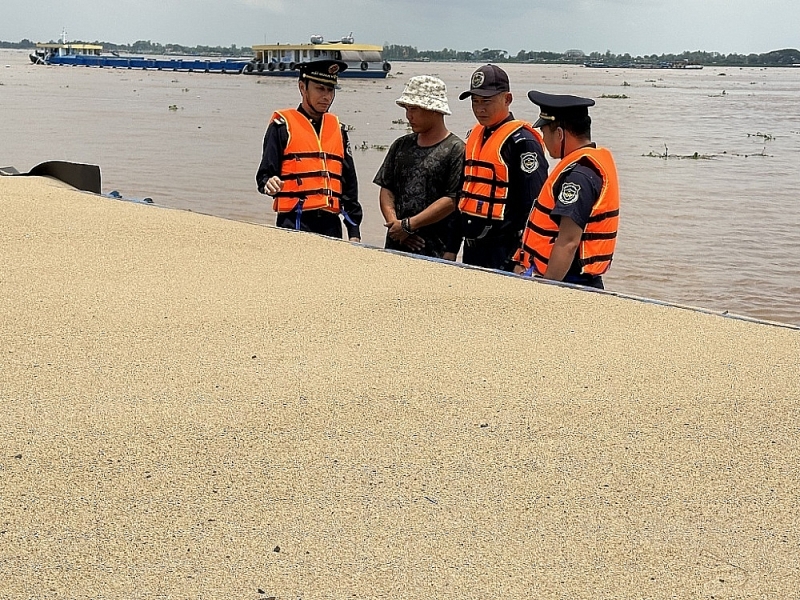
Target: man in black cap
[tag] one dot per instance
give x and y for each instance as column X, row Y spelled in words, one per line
column 307, row 165
column 572, row 229
column 504, row 170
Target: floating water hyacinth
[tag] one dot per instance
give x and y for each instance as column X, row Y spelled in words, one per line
column 666, row 155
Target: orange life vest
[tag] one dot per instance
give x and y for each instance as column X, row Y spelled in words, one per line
column 485, row 186
column 600, row 234
column 312, row 164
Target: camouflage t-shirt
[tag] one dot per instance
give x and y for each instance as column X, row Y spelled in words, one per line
column 418, row 176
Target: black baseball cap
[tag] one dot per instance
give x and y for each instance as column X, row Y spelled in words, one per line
column 324, row 71
column 488, row 80
column 559, row 107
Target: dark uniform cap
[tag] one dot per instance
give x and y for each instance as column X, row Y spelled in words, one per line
column 556, row 107
column 324, row 71
column 488, row 80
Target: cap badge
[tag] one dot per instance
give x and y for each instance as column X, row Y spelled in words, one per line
column 569, row 193
column 333, row 69
column 478, row 78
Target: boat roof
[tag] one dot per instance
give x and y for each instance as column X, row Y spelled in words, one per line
column 76, row 46
column 334, row 46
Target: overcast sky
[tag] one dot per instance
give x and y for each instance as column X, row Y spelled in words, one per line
column 634, row 26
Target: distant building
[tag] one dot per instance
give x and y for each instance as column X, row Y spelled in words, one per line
column 574, row 54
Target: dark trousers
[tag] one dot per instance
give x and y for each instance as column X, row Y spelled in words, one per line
column 315, row 221
column 594, row 281
column 492, row 253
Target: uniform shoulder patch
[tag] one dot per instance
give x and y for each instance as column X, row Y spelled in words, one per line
column 523, row 136
column 570, row 192
column 529, row 162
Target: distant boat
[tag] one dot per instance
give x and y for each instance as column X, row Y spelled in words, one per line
column 685, row 64
column 64, row 53
column 680, row 64
column 363, row 60
column 91, row 55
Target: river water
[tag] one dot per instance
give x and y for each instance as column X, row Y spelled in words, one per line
column 720, row 231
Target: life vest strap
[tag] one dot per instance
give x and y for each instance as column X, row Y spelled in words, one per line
column 602, row 216
column 493, row 182
column 599, row 236
column 306, row 193
column 322, row 155
column 346, row 217
column 298, row 213
column 481, row 201
column 597, row 259
column 480, row 198
column 474, row 162
column 300, row 176
column 537, row 256
column 542, row 231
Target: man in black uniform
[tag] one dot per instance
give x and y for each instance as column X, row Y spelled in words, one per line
column 314, row 180
column 572, row 230
column 504, row 171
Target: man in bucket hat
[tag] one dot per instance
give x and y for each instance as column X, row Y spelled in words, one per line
column 312, row 189
column 504, row 170
column 420, row 177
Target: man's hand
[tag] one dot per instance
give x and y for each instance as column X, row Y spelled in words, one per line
column 519, row 269
column 273, row 185
column 414, row 242
column 355, row 239
column 396, row 230
column 449, row 256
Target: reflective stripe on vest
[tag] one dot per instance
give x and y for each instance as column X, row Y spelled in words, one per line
column 312, row 164
column 485, row 188
column 599, row 237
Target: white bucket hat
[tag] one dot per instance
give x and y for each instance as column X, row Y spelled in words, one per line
column 426, row 92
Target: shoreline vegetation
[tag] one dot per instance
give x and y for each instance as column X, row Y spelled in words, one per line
column 777, row 58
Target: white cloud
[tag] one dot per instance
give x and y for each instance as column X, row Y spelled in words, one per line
column 276, row 6
column 635, row 26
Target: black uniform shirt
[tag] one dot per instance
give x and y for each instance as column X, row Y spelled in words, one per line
column 527, row 172
column 275, row 140
column 576, row 191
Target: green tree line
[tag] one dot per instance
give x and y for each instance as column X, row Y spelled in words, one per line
column 148, row 47
column 775, row 58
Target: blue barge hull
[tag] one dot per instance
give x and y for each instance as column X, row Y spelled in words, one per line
column 157, row 64
column 348, row 74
